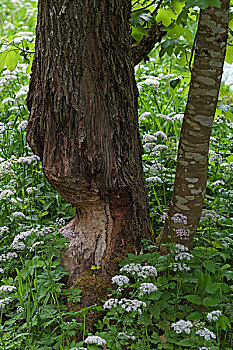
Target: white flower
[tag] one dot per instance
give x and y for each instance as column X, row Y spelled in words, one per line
column 140, row 271
column 68, row 234
column 131, row 305
column 1, row 270
column 206, row 333
column 182, row 233
column 94, row 339
column 147, row 271
column 31, row 189
column 4, row 302
column 180, row 248
column 214, row 315
column 154, row 179
column 161, row 134
column 177, row 117
column 131, row 268
column 6, row 194
column 179, row 267
column 149, row 138
column 8, row 99
column 4, row 229
column 209, row 215
column 182, row 326
column 143, row 116
column 120, row 280
column 23, row 125
column 150, row 80
column 183, row 256
column 9, row 255
column 18, row 245
column 147, row 288
column 18, row 214
column 4, row 289
column 126, row 335
column 179, row 218
column 35, row 244
column 110, row 303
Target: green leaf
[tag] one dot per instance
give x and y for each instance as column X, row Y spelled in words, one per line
column 166, row 16
column 194, row 316
column 2, row 59
column 195, row 299
column 213, row 287
column 210, row 266
column 229, row 54
column 138, row 33
column 203, row 4
column 185, row 342
column 211, row 301
column 175, row 82
column 144, row 318
column 177, row 6
column 154, row 311
column 11, row 60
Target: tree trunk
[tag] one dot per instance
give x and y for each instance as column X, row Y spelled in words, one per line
column 83, row 125
column 192, row 160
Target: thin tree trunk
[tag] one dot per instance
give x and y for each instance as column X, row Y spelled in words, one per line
column 192, row 161
column 83, row 125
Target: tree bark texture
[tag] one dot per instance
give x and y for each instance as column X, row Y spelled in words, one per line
column 192, row 160
column 83, row 125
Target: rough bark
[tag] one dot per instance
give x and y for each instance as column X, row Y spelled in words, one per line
column 83, row 125
column 192, row 161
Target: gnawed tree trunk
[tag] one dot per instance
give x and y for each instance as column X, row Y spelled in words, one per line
column 83, row 125
column 192, row 160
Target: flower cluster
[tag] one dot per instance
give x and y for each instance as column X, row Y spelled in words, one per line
column 35, row 244
column 131, row 305
column 4, row 289
column 206, row 333
column 214, row 315
column 180, row 248
column 154, row 179
column 215, row 156
column 183, row 256
column 209, row 215
column 140, row 271
column 126, row 335
column 179, row 267
column 68, row 234
column 8, row 256
column 147, row 288
column 179, row 219
column 94, row 339
column 182, row 233
column 144, row 116
column 182, row 326
column 4, row 302
column 161, row 134
column 149, row 138
column 110, row 303
column 4, row 229
column 120, row 280
column 23, row 125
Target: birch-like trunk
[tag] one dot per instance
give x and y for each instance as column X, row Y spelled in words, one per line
column 192, row 160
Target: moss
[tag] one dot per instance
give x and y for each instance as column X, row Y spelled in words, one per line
column 94, row 286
